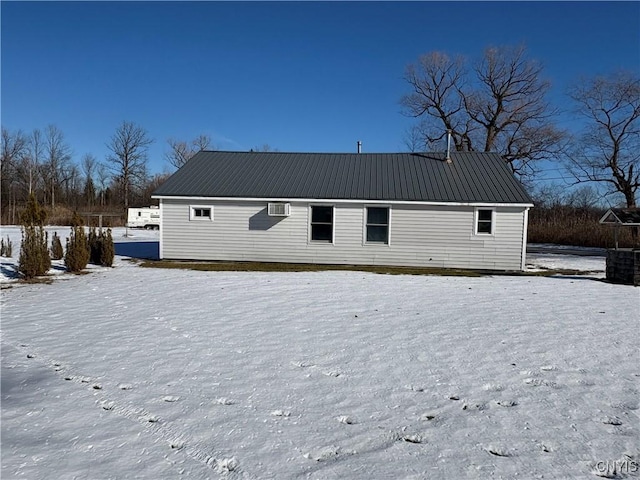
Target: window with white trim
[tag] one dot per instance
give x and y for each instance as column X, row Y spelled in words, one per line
column 378, row 225
column 197, row 212
column 484, row 221
column 322, row 223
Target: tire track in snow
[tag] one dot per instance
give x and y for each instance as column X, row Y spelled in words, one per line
column 152, row 424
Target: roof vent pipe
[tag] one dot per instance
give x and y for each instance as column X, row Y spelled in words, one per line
column 448, row 146
column 359, row 146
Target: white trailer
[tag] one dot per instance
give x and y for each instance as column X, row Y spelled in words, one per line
column 144, row 217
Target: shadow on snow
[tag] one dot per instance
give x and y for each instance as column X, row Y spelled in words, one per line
column 145, row 250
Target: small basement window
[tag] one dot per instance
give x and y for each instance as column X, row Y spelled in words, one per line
column 484, row 221
column 201, row 213
column 378, row 225
column 322, row 223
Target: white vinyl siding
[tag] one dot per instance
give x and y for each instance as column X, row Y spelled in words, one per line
column 423, row 235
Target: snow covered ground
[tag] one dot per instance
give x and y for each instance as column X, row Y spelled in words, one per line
column 132, row 372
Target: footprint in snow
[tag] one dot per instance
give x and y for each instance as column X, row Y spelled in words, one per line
column 323, row 454
column 224, row 465
column 538, row 382
column 125, row 386
column 176, row 444
column 545, row 448
column 548, row 368
column 224, row 401
column 150, row 418
column 281, row 413
column 498, row 451
column 332, row 373
column 506, row 403
column 492, row 387
column 346, row 419
column 474, row 406
column 302, row 364
column 585, row 382
column 170, row 398
column 415, row 388
column 611, row 420
column 626, row 405
column 413, row 438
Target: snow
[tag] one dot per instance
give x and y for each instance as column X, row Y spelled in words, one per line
column 133, row 372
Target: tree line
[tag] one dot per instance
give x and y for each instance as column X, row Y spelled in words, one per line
column 497, row 103
column 41, row 163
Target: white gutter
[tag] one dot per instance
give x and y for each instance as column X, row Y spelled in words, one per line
column 160, row 232
column 525, row 226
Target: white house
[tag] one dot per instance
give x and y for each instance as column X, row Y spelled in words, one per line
column 404, row 209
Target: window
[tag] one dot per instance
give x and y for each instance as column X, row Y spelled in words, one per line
column 484, row 222
column 322, row 223
column 201, row 213
column 378, row 225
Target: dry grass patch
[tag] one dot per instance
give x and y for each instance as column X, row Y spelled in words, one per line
column 213, row 266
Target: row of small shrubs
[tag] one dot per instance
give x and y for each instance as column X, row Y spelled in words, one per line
column 97, row 248
column 35, row 255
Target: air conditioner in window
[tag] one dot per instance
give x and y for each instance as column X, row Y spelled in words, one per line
column 279, row 209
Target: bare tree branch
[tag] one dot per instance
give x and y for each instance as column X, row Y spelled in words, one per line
column 609, row 148
column 502, row 109
column 128, row 160
column 181, row 151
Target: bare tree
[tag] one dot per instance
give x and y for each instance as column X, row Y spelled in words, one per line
column 35, row 154
column 180, row 151
column 128, row 160
column 609, row 149
column 501, row 108
column 13, row 149
column 88, row 165
column 102, row 172
column 57, row 155
column 414, row 139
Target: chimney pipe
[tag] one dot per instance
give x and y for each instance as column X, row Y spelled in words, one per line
column 359, row 146
column 448, row 146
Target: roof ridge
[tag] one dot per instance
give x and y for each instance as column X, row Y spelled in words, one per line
column 432, row 152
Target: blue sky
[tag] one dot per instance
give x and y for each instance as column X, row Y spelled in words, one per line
column 299, row 76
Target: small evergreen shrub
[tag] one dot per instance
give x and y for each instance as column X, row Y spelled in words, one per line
column 33, row 214
column 77, row 254
column 56, row 247
column 108, row 251
column 95, row 246
column 34, row 258
column 6, row 249
column 101, row 249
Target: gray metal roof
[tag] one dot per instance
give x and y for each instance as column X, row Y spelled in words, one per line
column 471, row 177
